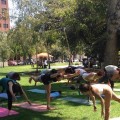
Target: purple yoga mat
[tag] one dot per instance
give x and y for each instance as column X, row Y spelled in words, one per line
column 4, row 112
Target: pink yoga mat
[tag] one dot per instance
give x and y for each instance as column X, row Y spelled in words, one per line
column 34, row 106
column 4, row 112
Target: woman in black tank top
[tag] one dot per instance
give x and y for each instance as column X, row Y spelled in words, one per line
column 47, row 78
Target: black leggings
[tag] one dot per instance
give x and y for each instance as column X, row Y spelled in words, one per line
column 9, row 100
column 16, row 89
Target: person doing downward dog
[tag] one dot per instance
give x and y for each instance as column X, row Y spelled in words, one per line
column 96, row 90
column 47, row 78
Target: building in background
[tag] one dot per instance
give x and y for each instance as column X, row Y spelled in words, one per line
column 4, row 16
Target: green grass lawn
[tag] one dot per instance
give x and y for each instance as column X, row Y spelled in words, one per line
column 65, row 110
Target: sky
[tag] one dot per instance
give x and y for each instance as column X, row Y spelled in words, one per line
column 12, row 13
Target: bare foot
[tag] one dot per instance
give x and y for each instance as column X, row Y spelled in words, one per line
column 51, row 108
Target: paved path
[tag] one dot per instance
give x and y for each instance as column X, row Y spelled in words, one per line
column 115, row 118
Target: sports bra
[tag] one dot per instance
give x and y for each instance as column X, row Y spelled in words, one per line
column 100, row 89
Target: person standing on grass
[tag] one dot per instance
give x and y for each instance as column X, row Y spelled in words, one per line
column 47, row 78
column 12, row 88
column 96, row 90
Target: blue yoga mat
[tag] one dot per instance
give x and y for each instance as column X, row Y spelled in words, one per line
column 52, row 94
column 37, row 91
column 4, row 95
column 77, row 100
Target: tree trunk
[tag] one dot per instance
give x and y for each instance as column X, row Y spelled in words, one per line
column 3, row 64
column 111, row 52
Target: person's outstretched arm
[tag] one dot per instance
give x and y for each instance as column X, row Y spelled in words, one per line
column 25, row 96
column 93, row 100
column 68, row 76
column 102, row 103
column 54, row 75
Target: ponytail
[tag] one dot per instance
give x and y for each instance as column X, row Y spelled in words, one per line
column 118, row 70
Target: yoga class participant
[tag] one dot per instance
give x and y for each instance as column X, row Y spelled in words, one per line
column 96, row 90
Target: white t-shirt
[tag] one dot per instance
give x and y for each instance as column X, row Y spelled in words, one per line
column 111, row 68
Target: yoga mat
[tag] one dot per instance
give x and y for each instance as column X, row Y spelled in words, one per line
column 34, row 106
column 116, row 90
column 4, row 112
column 4, row 95
column 37, row 91
column 52, row 94
column 115, row 118
column 77, row 100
